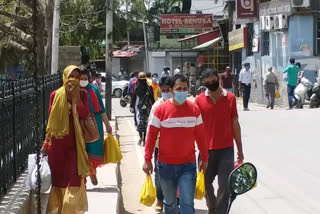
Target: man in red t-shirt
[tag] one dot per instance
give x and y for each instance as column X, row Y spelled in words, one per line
column 179, row 123
column 220, row 117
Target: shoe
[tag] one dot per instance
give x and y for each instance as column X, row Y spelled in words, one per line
column 159, row 206
column 139, row 142
column 246, row 109
column 268, row 106
column 94, row 180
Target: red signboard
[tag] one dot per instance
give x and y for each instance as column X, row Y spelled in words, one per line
column 247, row 8
column 186, row 23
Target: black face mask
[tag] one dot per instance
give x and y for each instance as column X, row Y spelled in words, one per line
column 213, row 86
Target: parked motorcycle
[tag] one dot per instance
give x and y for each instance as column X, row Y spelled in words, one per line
column 315, row 97
column 125, row 98
column 241, row 180
column 303, row 92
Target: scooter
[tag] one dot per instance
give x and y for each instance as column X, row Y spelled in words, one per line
column 303, row 92
column 315, row 97
column 125, row 98
column 241, row 180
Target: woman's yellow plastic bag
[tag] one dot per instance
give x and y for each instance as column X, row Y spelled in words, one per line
column 277, row 95
column 148, row 193
column 200, row 187
column 112, row 153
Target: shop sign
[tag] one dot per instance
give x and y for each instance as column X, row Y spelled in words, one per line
column 247, row 9
column 238, row 39
column 186, row 23
column 275, row 7
column 255, row 45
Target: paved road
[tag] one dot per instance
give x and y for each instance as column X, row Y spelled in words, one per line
column 284, row 146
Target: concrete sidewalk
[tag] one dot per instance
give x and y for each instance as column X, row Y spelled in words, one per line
column 104, row 198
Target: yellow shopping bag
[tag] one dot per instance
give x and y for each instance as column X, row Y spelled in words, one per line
column 200, row 187
column 277, row 96
column 148, row 193
column 111, row 153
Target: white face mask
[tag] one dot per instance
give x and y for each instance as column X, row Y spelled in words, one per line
column 84, row 83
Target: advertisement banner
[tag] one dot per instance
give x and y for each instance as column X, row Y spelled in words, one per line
column 238, row 39
column 247, row 9
column 186, row 23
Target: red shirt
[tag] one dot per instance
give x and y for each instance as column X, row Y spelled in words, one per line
column 217, row 119
column 179, row 127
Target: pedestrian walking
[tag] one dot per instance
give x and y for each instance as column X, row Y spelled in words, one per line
column 245, row 81
column 165, row 72
column 98, row 82
column 227, row 80
column 177, row 70
column 149, row 80
column 96, row 106
column 270, row 84
column 221, row 127
column 179, row 123
column 132, row 83
column 141, row 103
column 292, row 70
column 155, row 86
column 64, row 145
column 164, row 84
column 301, row 72
column 193, row 73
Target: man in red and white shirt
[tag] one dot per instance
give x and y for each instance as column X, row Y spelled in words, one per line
column 179, row 123
column 220, row 117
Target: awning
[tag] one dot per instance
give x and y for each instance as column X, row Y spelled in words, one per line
column 123, row 54
column 197, row 35
column 209, row 43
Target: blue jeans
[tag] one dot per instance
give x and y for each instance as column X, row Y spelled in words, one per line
column 173, row 176
column 157, row 176
column 291, row 96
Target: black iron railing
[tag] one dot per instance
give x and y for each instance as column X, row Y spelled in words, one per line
column 18, row 124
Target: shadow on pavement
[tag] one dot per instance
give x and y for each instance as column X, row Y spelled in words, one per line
column 105, row 189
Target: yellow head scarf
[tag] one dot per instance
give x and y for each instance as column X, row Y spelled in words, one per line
column 58, row 123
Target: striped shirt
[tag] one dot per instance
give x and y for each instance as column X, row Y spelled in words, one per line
column 179, row 128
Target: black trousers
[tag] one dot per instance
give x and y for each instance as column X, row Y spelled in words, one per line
column 221, row 164
column 246, row 90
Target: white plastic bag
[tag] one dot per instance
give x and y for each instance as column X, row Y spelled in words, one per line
column 285, row 77
column 45, row 173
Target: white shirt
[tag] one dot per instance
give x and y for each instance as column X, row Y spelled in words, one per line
column 246, row 76
column 176, row 71
column 164, row 74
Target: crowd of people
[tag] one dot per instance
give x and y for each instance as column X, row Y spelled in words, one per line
column 166, row 121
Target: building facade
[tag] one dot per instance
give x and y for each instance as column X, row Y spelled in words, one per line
column 279, row 30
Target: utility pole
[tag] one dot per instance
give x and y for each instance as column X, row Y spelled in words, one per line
column 145, row 45
column 128, row 32
column 108, row 62
column 55, row 37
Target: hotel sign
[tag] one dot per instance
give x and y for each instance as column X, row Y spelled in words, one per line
column 186, row 23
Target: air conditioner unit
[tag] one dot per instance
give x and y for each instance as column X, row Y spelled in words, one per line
column 301, row 3
column 269, row 23
column 280, row 21
column 262, row 23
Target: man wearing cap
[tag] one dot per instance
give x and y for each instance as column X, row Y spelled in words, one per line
column 245, row 81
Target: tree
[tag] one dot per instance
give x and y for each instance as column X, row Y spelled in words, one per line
column 16, row 41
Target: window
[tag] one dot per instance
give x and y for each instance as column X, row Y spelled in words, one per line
column 250, row 39
column 265, row 43
column 318, row 37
